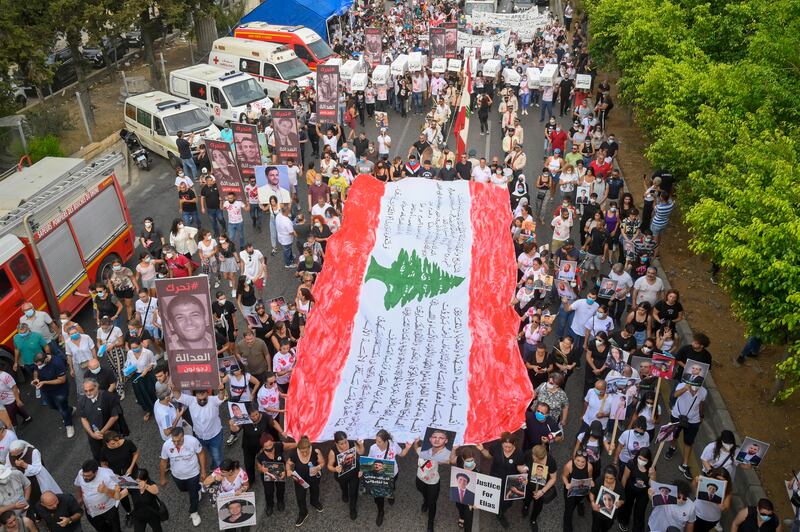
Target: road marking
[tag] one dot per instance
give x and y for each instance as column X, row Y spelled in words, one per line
column 147, row 189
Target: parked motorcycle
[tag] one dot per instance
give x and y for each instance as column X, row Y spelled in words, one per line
column 138, row 153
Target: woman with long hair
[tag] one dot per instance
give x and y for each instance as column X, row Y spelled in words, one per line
column 146, row 509
column 385, row 448
column 345, row 469
column 182, row 238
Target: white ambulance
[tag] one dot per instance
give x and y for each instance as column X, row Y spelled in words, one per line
column 223, row 94
column 156, row 117
column 272, row 65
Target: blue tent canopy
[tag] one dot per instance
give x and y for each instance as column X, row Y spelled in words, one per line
column 313, row 14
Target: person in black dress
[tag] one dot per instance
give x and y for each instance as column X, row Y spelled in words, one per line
column 251, row 436
column 601, row 522
column 145, row 503
column 580, row 469
column 121, row 457
column 636, row 479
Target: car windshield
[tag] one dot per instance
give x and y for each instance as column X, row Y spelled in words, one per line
column 243, row 92
column 189, row 120
column 320, row 49
column 293, row 68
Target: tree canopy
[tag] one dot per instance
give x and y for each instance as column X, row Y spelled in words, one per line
column 716, row 86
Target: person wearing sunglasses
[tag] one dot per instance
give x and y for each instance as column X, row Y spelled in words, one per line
column 677, row 515
column 761, row 518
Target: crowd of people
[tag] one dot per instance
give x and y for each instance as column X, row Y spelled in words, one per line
column 590, row 301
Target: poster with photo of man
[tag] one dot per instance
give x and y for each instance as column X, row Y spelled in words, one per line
column 437, row 445
column 224, row 168
column 450, row 40
column 248, row 151
column 377, row 476
column 462, row 486
column 328, row 93
column 373, row 46
column 273, row 180
column 752, row 452
column 695, row 373
column 438, row 47
column 184, row 305
column 236, row 510
column 287, row 138
column 711, row 490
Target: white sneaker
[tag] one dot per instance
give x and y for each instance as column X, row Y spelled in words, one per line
column 195, row 518
column 718, row 527
column 70, row 431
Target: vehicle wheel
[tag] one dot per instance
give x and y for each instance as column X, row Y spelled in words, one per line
column 104, row 271
column 174, row 162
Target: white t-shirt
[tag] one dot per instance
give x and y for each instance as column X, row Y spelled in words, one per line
column 294, row 172
column 141, row 309
column 94, row 502
column 285, row 230
column 667, row 515
column 146, row 359
column 83, row 351
column 632, row 442
column 596, row 405
column 722, row 460
column 686, row 405
column 624, row 281
column 583, row 311
column 184, row 179
column 316, row 210
column 165, row 415
column 648, row 292
column 282, row 362
column 428, row 470
column 561, row 228
column 269, row 398
column 252, row 263
column 113, row 334
column 595, row 325
column 234, row 211
column 205, row 418
column 5, row 444
column 183, row 462
column 383, row 144
column 7, row 384
column 481, row 175
column 390, row 453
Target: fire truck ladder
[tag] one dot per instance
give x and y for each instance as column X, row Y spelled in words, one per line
column 70, row 183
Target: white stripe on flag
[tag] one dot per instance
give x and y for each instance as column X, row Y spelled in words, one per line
column 415, row 354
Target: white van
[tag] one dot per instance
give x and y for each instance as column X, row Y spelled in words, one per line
column 272, row 65
column 156, row 117
column 223, row 94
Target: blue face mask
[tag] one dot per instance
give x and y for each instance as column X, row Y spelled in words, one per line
column 30, row 312
column 590, row 300
column 764, row 518
column 23, row 335
column 540, row 417
column 136, row 349
column 75, row 336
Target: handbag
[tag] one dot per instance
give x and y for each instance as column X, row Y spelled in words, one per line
column 163, row 511
column 683, row 419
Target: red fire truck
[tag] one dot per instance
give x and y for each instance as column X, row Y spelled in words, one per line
column 62, row 222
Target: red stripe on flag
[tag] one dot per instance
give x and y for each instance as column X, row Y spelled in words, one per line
column 499, row 388
column 323, row 350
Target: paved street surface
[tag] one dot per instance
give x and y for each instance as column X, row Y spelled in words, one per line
column 154, row 195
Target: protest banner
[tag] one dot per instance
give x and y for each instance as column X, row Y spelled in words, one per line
column 408, row 249
column 184, row 305
column 475, row 489
column 437, row 46
column 450, row 40
column 328, row 93
column 248, row 151
column 377, row 476
column 236, row 510
column 224, row 169
column 373, row 45
column 287, row 137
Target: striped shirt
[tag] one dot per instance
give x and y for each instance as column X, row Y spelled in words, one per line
column 661, row 213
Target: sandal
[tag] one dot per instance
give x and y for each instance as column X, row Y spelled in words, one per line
column 460, row 523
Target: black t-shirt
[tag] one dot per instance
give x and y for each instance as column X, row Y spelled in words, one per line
column 105, row 378
column 687, row 353
column 154, row 236
column 184, row 148
column 669, row 312
column 227, row 311
column 637, row 480
column 626, row 344
column 618, row 489
column 535, row 431
column 360, row 146
column 598, row 241
column 610, row 147
column 211, row 195
column 420, row 147
column 119, row 459
column 252, row 432
column 667, row 179
column 615, row 185
column 427, row 173
column 552, row 467
column 277, row 455
column 448, row 175
column 188, row 195
column 503, row 466
column 464, row 170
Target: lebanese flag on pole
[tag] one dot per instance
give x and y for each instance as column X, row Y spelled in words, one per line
column 461, row 127
column 412, row 325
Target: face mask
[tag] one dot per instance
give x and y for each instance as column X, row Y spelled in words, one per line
column 590, row 300
column 100, row 293
column 764, row 518
column 221, row 301
column 469, row 464
column 132, row 331
column 551, row 386
column 95, row 371
column 137, row 349
column 646, row 350
column 318, row 182
column 222, row 240
column 168, row 255
column 540, row 417
column 23, row 335
column 116, row 267
column 39, row 366
column 598, row 392
column 75, row 336
column 180, row 226
column 30, row 312
column 148, row 259
column 448, row 166
column 727, row 446
column 601, row 315
column 565, row 204
column 148, row 225
column 318, row 225
column 642, row 462
column 598, row 343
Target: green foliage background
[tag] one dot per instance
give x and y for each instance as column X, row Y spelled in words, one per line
column 716, row 86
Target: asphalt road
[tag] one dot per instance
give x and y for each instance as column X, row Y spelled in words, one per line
column 155, row 195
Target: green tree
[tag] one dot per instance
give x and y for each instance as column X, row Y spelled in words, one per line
column 410, row 277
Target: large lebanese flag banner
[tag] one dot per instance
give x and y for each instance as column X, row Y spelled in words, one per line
column 413, row 326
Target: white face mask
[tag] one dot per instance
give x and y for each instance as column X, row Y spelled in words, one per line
column 642, row 462
column 727, row 446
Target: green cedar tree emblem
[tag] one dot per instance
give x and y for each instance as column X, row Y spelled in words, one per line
column 411, row 277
